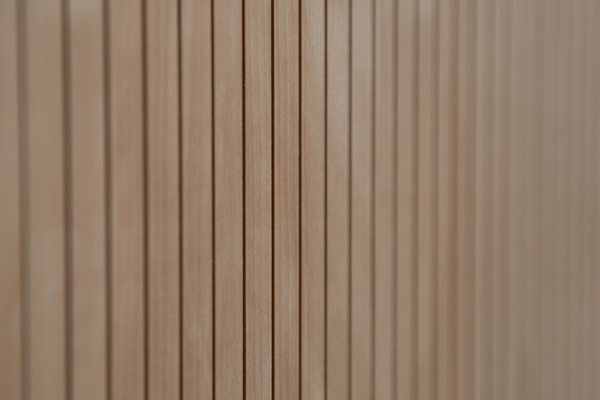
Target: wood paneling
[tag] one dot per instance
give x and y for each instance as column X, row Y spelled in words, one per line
column 258, row 181
column 197, row 271
column 299, row 199
column 11, row 233
column 312, row 199
column 87, row 201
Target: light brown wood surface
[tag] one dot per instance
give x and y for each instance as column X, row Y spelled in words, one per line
column 258, row 177
column 87, row 201
column 312, row 199
column 126, row 201
column 263, row 199
column 338, row 227
column 11, row 229
column 362, row 243
column 197, row 272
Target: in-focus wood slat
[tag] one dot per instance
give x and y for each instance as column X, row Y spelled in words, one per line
column 286, row 135
column 87, row 200
column 338, row 199
column 406, row 163
column 228, row 175
column 197, row 201
column 384, row 187
column 126, row 201
column 46, row 170
column 259, row 208
column 162, row 197
column 11, row 307
column 362, row 209
column 312, row 198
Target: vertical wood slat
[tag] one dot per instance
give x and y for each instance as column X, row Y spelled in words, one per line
column 197, row 198
column 562, row 201
column 228, row 198
column 312, row 199
column 126, row 200
column 502, row 175
column 427, row 199
column 406, row 200
column 465, row 193
column 535, row 196
column 575, row 237
column 338, row 199
column 286, row 202
column 11, row 305
column 550, row 200
column 446, row 291
column 362, row 209
column 46, row 265
column 162, row 197
column 384, row 199
column 87, row 199
column 484, row 197
column 258, row 196
column 592, row 146
column 589, row 222
column 519, row 244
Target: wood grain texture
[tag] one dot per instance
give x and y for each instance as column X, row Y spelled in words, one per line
column 362, row 200
column 11, row 305
column 197, row 198
column 338, row 199
column 312, row 199
column 127, row 204
column 228, row 200
column 162, row 196
column 87, row 230
column 46, row 264
column 286, row 224
column 258, row 198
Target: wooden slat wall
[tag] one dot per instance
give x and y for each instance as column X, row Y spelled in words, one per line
column 299, row 199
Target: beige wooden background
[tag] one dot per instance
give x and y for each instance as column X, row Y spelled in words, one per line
column 299, row 199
